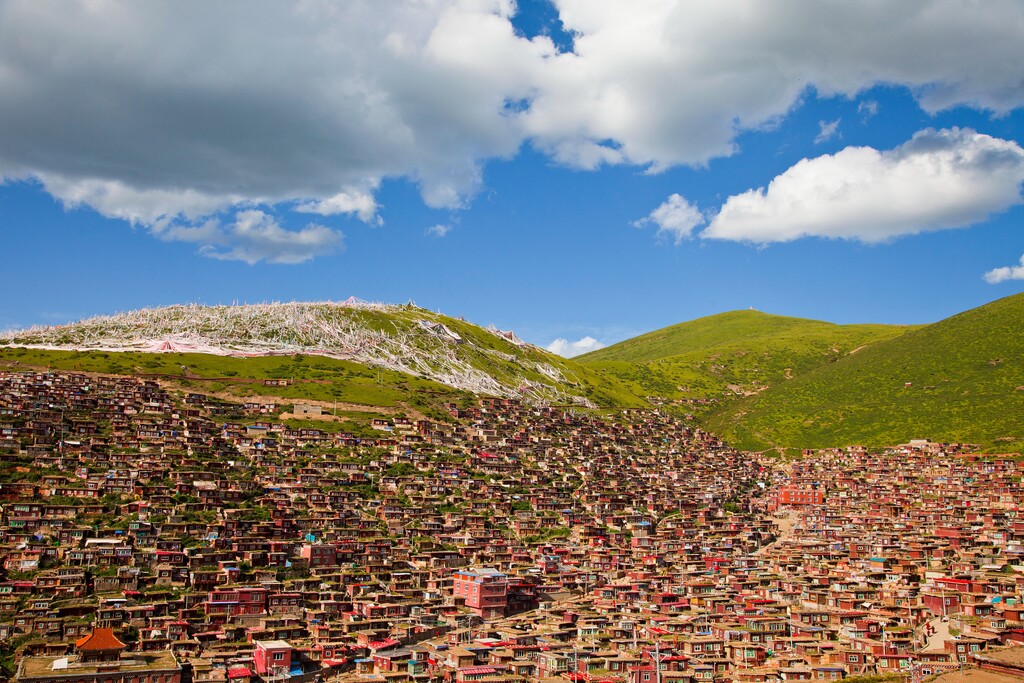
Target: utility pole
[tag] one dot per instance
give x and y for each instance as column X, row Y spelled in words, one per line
column 657, row 659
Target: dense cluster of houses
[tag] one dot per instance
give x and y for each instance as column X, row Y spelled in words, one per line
column 153, row 536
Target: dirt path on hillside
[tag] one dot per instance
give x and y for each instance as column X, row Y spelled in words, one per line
column 936, row 641
column 786, row 525
column 331, row 406
column 786, row 531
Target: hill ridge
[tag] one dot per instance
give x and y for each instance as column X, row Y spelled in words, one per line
column 399, row 337
column 959, row 379
column 766, row 324
column 713, row 358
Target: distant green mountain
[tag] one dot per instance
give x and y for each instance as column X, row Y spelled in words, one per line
column 722, row 357
column 961, row 379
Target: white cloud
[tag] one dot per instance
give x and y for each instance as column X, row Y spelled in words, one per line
column 675, row 217
column 312, row 105
column 827, row 131
column 669, row 82
column 937, row 180
column 252, row 237
column 357, row 202
column 308, row 105
column 255, row 236
column 152, row 207
column 997, row 275
column 439, row 230
column 867, row 109
column 568, row 349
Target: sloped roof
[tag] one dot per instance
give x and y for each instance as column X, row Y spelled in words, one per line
column 99, row 639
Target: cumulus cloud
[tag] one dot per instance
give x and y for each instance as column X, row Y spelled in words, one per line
column 151, row 207
column 827, row 131
column 673, row 82
column 939, row 179
column 312, row 105
column 359, row 203
column 997, row 275
column 568, row 349
column 303, row 107
column 255, row 236
column 675, row 217
column 439, row 230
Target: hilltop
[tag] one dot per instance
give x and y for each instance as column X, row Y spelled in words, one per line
column 758, row 380
column 960, row 379
column 357, row 345
column 721, row 357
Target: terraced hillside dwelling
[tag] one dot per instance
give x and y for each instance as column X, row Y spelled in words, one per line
column 144, row 527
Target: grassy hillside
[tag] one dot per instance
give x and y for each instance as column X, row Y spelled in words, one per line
column 725, row 356
column 758, row 380
column 371, row 354
column 961, row 379
column 312, row 378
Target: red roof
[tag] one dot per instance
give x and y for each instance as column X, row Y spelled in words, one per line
column 381, row 644
column 239, row 672
column 100, row 639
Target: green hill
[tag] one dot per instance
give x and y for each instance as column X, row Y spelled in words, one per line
column 358, row 352
column 756, row 379
column 961, row 379
column 722, row 357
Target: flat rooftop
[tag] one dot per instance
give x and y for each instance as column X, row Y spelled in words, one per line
column 50, row 667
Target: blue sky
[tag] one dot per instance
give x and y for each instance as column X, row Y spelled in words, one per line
column 573, row 169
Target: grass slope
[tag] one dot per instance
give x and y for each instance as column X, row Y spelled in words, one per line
column 315, row 378
column 424, row 363
column 352, row 394
column 509, row 363
column 723, row 356
column 966, row 376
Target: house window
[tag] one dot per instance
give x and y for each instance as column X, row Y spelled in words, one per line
column 278, row 656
